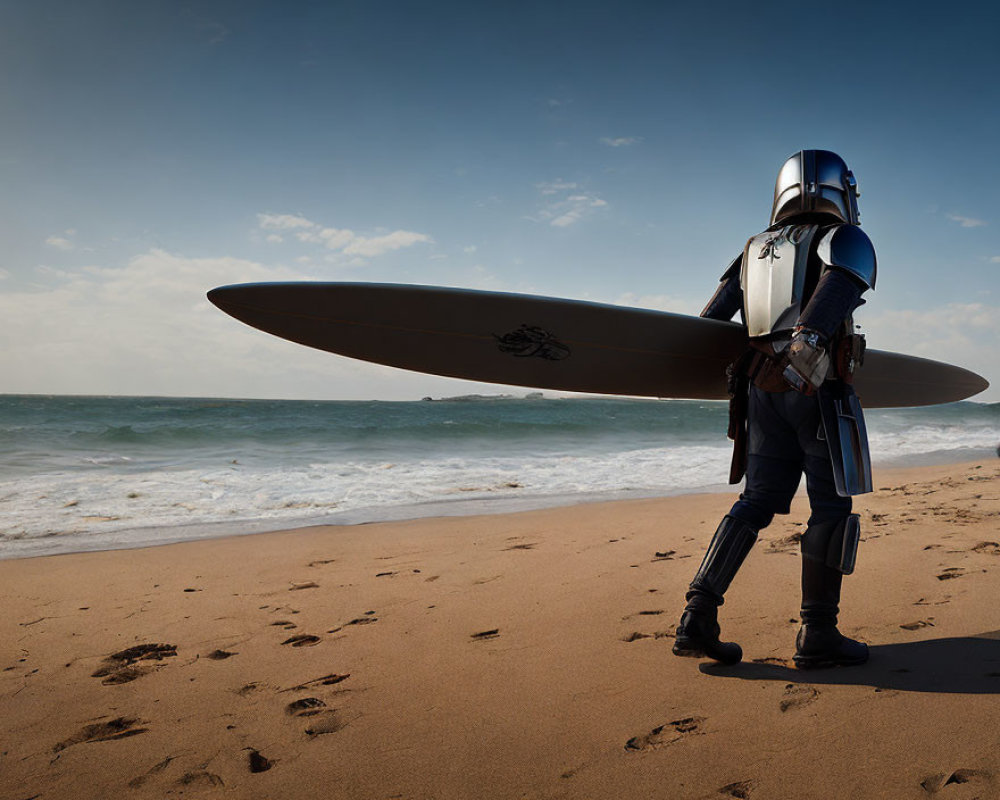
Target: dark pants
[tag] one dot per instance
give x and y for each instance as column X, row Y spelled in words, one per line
column 784, row 441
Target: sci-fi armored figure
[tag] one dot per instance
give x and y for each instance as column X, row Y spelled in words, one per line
column 793, row 409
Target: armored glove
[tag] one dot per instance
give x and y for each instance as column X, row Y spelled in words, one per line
column 808, row 361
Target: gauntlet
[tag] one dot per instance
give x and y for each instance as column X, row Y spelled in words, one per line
column 808, row 361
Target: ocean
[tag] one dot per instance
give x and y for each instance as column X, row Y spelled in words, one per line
column 86, row 473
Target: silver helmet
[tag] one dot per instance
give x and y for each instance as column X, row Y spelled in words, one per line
column 816, row 182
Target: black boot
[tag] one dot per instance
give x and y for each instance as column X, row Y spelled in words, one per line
column 819, row 643
column 698, row 631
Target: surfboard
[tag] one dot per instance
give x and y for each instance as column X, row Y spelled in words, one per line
column 546, row 342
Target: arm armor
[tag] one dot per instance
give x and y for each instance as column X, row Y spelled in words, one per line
column 835, row 298
column 849, row 269
column 728, row 298
column 848, row 248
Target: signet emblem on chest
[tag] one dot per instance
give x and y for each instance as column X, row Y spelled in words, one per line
column 769, row 250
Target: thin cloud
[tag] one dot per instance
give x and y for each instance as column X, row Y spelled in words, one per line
column 59, row 243
column 377, row 245
column 332, row 238
column 565, row 204
column 283, row 222
column 215, row 32
column 967, row 222
column 62, row 241
column 341, row 240
column 621, row 141
column 554, row 187
column 577, row 207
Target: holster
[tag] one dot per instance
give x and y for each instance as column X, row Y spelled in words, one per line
column 848, row 355
column 739, row 376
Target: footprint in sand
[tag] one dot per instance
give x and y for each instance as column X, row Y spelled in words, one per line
column 258, row 762
column 951, row 572
column 118, row 728
column 321, row 718
column 306, row 707
column 368, row 619
column 923, row 601
column 122, row 667
column 157, row 768
column 492, row 633
column 785, row 544
column 200, row 777
column 327, row 680
column 325, row 722
column 648, row 613
column 917, row 625
column 740, row 790
column 635, row 636
column 797, row 697
column 663, row 735
column 302, row 640
column 941, row 781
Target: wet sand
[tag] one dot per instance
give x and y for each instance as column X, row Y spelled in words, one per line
column 515, row 655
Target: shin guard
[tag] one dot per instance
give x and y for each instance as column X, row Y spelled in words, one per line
column 726, row 553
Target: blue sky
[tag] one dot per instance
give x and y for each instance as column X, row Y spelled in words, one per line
column 619, row 152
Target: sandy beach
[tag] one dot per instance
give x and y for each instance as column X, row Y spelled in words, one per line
column 518, row 655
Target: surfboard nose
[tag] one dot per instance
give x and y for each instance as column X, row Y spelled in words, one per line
column 237, row 298
column 269, row 307
column 223, row 296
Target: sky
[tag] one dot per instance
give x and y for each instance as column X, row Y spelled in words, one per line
column 618, row 152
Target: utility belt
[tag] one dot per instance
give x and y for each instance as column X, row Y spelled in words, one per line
column 764, row 363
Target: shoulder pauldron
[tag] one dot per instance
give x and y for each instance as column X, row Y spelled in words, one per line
column 847, row 247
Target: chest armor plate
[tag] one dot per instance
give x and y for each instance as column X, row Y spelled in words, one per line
column 774, row 276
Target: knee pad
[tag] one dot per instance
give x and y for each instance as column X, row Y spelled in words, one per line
column 834, row 543
column 751, row 514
